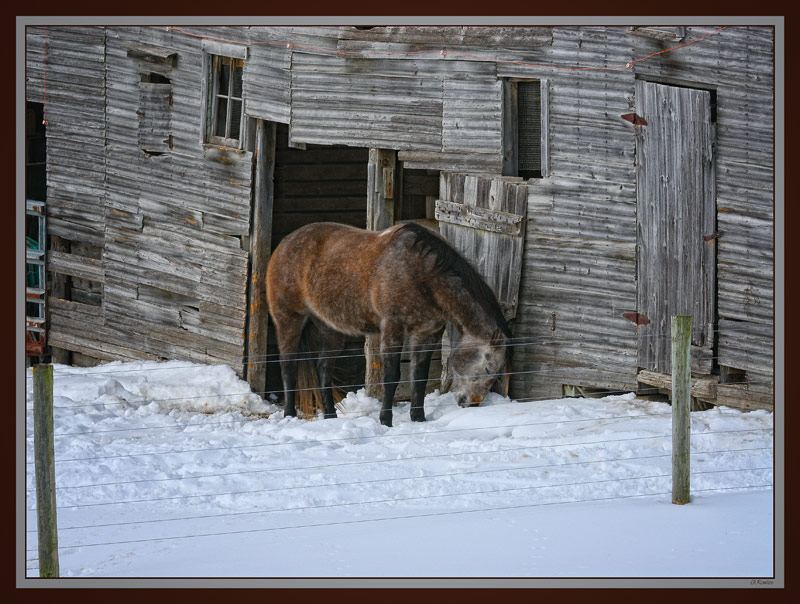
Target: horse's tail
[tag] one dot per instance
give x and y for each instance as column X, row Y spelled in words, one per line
column 308, row 397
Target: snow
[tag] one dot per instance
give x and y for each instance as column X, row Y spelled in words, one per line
column 177, row 470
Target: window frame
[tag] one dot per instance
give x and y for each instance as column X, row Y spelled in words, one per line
column 511, row 127
column 217, row 95
column 214, row 55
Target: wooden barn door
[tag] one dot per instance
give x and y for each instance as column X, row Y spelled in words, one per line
column 484, row 217
column 676, row 222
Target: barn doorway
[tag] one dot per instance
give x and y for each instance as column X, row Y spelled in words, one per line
column 676, row 216
column 317, row 183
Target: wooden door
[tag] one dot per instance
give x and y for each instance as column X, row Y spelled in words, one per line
column 484, row 218
column 676, row 214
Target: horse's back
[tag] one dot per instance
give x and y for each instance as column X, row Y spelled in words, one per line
column 327, row 269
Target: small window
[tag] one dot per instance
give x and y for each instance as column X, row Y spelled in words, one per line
column 525, row 128
column 529, row 99
column 226, row 105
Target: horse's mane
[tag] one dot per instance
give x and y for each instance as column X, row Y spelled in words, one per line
column 447, row 261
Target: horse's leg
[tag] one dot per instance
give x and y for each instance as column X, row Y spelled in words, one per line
column 392, row 334
column 288, row 331
column 421, row 353
column 331, row 345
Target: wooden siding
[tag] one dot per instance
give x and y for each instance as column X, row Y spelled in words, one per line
column 738, row 66
column 171, row 223
column 75, row 112
column 676, row 222
column 578, row 275
column 170, row 215
column 179, row 271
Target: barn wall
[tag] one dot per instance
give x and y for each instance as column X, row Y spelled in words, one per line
column 176, row 250
column 178, row 233
column 383, row 89
column 739, row 65
column 167, row 224
column 74, row 106
column 578, row 275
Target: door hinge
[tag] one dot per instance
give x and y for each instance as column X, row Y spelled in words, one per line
column 634, row 119
column 637, row 318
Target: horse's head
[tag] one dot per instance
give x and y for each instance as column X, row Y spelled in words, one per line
column 476, row 366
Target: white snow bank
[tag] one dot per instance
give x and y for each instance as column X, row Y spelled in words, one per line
column 176, row 469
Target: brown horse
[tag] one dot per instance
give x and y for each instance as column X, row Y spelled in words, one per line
column 403, row 282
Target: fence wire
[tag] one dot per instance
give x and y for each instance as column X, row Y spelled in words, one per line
column 764, row 485
column 356, row 352
column 516, row 342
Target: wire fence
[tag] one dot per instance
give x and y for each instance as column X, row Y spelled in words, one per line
column 352, row 353
column 601, row 456
column 517, row 342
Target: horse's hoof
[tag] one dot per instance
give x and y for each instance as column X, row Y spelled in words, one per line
column 331, row 415
column 417, row 415
column 386, row 420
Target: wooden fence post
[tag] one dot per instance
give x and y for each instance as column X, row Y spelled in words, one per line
column 681, row 406
column 44, row 460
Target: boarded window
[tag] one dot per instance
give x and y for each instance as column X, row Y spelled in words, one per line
column 226, row 104
column 155, row 112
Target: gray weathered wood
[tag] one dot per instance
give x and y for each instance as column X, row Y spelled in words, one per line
column 45, row 470
column 676, row 217
column 77, row 266
column 703, row 388
column 681, row 330
column 492, row 221
column 484, row 217
column 380, row 215
column 179, row 219
column 260, row 245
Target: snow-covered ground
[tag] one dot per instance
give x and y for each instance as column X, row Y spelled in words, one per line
column 177, row 470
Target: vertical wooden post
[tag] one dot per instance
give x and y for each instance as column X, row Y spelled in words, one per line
column 681, row 401
column 44, row 460
column 380, row 215
column 260, row 243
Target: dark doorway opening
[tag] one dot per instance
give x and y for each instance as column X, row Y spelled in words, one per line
column 319, row 183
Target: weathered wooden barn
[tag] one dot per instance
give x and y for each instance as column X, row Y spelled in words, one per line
column 602, row 178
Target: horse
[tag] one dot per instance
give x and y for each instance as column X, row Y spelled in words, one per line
column 403, row 283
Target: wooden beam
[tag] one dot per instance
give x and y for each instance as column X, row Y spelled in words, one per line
column 704, row 388
column 260, row 243
column 65, row 263
column 493, row 221
column 739, row 396
column 381, row 190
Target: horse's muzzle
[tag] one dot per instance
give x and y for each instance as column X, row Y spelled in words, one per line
column 474, row 401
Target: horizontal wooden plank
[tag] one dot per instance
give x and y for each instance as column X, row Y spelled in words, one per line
column 704, row 389
column 76, row 266
column 740, row 396
column 493, row 221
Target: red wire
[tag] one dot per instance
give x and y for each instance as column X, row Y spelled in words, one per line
column 627, row 65
column 44, row 99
